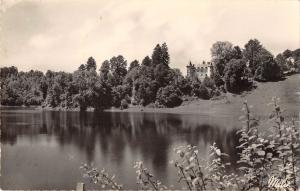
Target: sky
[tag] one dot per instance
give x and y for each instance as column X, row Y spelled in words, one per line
column 61, row 34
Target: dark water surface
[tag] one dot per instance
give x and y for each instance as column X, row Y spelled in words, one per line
column 44, row 149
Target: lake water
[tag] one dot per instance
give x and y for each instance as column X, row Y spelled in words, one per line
column 44, row 149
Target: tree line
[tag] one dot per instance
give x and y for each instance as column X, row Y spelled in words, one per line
column 151, row 82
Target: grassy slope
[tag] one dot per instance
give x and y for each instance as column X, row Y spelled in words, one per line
column 287, row 90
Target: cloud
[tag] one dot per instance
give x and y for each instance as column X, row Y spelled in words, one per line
column 41, row 41
column 61, row 35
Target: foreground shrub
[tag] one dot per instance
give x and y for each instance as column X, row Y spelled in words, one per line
column 287, row 141
column 256, row 153
column 199, row 174
column 146, row 180
column 101, row 177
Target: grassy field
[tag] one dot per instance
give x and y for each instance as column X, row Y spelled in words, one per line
column 287, row 90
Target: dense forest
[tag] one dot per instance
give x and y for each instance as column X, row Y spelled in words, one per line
column 151, row 82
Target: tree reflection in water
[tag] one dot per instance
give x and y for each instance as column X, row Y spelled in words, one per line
column 149, row 137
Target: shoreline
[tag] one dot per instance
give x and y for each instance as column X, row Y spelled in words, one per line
column 227, row 104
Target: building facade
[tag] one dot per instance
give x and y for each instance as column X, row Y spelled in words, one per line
column 199, row 71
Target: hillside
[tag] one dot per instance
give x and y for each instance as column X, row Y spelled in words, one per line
column 287, row 90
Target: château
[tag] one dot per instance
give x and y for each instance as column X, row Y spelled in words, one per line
column 200, row 71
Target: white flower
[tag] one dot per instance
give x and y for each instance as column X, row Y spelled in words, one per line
column 218, row 152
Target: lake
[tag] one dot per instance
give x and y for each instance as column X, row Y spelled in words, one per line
column 44, row 149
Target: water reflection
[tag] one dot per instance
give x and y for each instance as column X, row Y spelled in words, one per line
column 116, row 140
